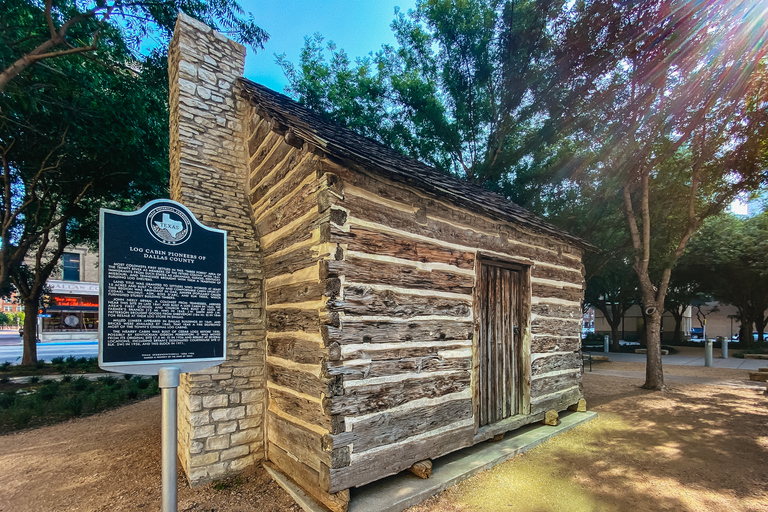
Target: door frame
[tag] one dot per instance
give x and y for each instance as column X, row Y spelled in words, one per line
column 523, row 346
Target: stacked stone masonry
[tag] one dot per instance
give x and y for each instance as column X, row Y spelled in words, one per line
column 221, row 410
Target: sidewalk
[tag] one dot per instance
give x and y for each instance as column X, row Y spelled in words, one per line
column 693, row 356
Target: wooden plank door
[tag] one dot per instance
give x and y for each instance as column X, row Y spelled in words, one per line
column 498, row 346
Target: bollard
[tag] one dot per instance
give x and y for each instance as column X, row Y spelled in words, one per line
column 724, row 347
column 606, row 343
column 707, row 352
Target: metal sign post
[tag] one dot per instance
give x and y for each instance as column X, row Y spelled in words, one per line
column 162, row 304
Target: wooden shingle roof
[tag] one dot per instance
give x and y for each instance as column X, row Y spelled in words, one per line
column 346, row 145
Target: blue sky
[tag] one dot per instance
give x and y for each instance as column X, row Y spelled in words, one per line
column 357, row 26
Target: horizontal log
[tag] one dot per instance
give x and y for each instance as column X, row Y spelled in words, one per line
column 556, row 311
column 542, row 344
column 308, row 291
column 303, row 444
column 300, row 233
column 555, row 362
column 302, row 408
column 375, row 351
column 296, row 349
column 292, row 184
column 553, row 383
column 308, row 479
column 301, row 202
column 393, row 427
column 446, row 232
column 555, row 327
column 274, row 167
column 292, row 320
column 259, row 149
column 258, row 130
column 290, row 262
column 353, row 331
column 398, row 366
column 367, row 271
column 557, row 274
column 443, row 209
column 558, row 402
column 363, row 300
column 384, row 244
column 386, row 395
column 303, row 382
column 555, row 292
column 398, row 458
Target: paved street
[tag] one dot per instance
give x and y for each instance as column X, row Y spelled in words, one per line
column 10, row 348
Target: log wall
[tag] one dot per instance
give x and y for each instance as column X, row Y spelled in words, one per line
column 402, row 342
column 287, row 190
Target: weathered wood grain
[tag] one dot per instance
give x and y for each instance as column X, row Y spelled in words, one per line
column 393, row 332
column 557, row 274
column 309, row 480
column 264, row 147
column 542, row 344
column 547, row 291
column 553, row 383
column 386, row 395
column 302, row 201
column 308, row 291
column 555, row 363
column 289, row 186
column 304, row 382
column 397, row 458
column 394, row 427
column 364, row 300
column 296, row 349
column 555, row 327
column 556, row 311
column 445, row 232
column 290, row 262
column 384, row 244
column 293, row 319
column 398, row 367
column 303, row 444
column 259, row 130
column 306, row 410
column 368, row 271
column 275, row 165
column 300, row 233
column 405, row 352
column 558, row 402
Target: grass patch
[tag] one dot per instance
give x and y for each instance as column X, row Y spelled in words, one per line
column 51, row 401
column 756, row 348
column 57, row 366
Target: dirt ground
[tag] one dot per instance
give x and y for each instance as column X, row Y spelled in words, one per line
column 694, row 448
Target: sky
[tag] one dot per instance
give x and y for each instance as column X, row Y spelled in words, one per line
column 357, row 26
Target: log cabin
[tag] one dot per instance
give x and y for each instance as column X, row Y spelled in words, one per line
column 380, row 312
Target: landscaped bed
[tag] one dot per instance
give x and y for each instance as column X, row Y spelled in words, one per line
column 41, row 401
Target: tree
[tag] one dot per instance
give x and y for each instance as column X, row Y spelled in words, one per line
column 71, row 27
column 459, row 90
column 83, row 124
column 667, row 94
column 729, row 253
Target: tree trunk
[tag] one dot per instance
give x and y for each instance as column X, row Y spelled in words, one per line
column 654, row 375
column 677, row 336
column 615, row 338
column 29, row 355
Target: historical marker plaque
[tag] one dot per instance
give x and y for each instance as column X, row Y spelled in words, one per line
column 162, row 290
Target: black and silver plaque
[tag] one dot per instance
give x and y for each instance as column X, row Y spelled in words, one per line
column 162, row 290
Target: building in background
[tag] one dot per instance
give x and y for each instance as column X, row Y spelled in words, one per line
column 72, row 310
column 631, row 326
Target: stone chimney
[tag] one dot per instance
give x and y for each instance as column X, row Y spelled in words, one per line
column 221, row 410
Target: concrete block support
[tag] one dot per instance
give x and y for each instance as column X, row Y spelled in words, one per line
column 221, row 409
